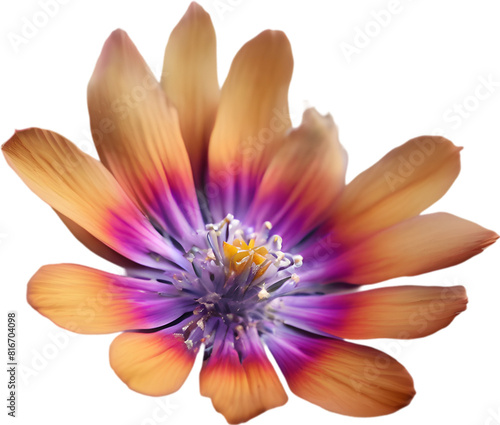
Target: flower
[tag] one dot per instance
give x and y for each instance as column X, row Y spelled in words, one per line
column 190, row 179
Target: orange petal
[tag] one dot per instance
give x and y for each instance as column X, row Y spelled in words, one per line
column 142, row 143
column 251, row 120
column 401, row 185
column 339, row 376
column 83, row 190
column 400, row 312
column 190, row 81
column 90, row 301
column 94, row 244
column 303, row 179
column 415, row 246
column 153, row 364
column 241, row 390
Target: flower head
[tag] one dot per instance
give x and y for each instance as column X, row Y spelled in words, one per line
column 238, row 231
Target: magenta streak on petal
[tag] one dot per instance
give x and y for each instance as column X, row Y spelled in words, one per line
column 249, row 344
column 314, row 313
column 154, row 304
column 187, row 203
column 288, row 221
column 174, row 209
column 231, row 193
column 323, row 261
column 158, row 311
column 164, row 209
column 144, row 245
column 290, row 349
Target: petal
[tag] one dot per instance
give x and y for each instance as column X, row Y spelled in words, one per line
column 80, row 188
column 94, row 244
column 153, row 364
column 142, row 145
column 190, row 81
column 240, row 389
column 415, row 246
column 339, row 376
column 251, row 121
column 90, row 301
column 401, row 312
column 303, row 179
column 401, row 185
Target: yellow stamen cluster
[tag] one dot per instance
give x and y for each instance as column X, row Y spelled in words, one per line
column 240, row 255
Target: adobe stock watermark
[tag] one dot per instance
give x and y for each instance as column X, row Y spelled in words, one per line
column 462, row 110
column 222, row 7
column 424, row 148
column 325, row 248
column 41, row 358
column 249, row 149
column 366, row 33
column 493, row 417
column 31, row 25
column 84, row 315
column 121, row 107
column 421, row 321
column 455, row 116
column 374, row 368
column 164, row 408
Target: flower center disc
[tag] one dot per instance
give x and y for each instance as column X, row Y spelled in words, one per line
column 236, row 275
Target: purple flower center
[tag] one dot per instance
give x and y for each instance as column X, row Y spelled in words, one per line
column 234, row 278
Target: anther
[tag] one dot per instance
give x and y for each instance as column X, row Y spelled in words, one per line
column 263, row 294
column 298, row 260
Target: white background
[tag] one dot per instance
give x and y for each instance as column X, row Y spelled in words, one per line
column 403, row 83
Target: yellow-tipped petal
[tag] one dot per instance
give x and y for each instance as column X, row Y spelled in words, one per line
column 189, row 79
column 303, row 180
column 142, row 144
column 153, row 364
column 401, row 185
column 401, row 312
column 342, row 377
column 83, row 190
column 251, row 120
column 90, row 301
column 243, row 388
column 415, row 246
